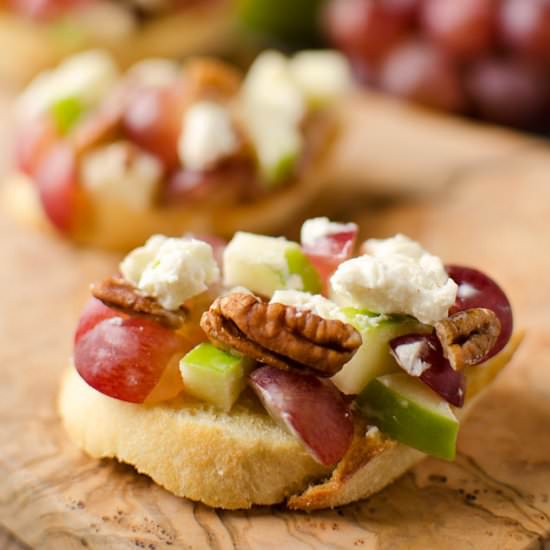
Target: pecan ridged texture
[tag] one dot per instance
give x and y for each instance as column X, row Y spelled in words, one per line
column 118, row 293
column 468, row 336
column 279, row 335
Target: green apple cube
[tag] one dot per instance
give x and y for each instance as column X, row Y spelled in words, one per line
column 373, row 358
column 213, row 375
column 266, row 264
column 66, row 112
column 408, row 411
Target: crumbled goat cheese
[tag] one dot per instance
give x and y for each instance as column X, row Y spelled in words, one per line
column 207, row 136
column 122, row 174
column 395, row 276
column 317, row 304
column 317, row 228
column 171, row 270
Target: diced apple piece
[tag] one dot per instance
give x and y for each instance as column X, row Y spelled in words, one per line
column 311, row 409
column 373, row 358
column 409, row 412
column 266, row 264
column 213, row 375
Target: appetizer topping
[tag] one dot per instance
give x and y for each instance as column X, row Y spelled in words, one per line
column 118, row 293
column 214, row 375
column 475, row 289
column 280, row 335
column 373, row 357
column 207, row 136
column 395, row 276
column 316, row 231
column 409, row 412
column 266, row 264
column 86, row 77
column 321, row 75
column 421, row 356
column 155, row 72
column 304, row 301
column 311, row 409
column 467, row 337
column 212, row 79
column 122, row 173
column 171, row 270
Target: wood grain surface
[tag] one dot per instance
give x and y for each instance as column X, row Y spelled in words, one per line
column 494, row 215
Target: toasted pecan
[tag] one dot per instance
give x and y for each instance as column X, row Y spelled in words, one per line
column 279, row 335
column 209, row 77
column 468, row 336
column 119, row 293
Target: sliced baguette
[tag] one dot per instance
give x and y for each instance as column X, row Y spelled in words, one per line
column 239, row 459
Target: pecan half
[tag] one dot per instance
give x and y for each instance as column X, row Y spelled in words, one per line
column 468, row 336
column 279, row 335
column 119, row 293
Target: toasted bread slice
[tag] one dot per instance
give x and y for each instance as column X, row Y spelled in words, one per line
column 242, row 458
column 197, row 29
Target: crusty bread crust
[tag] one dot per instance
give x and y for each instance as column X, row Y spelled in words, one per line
column 239, row 459
column 198, row 29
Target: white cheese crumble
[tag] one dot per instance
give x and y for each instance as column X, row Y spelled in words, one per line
column 123, row 174
column 395, row 276
column 155, row 72
column 315, row 303
column 316, row 229
column 87, row 76
column 171, row 270
column 410, row 358
column 321, row 75
column 207, row 136
column 270, row 86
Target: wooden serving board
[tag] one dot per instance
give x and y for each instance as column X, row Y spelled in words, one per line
column 495, row 215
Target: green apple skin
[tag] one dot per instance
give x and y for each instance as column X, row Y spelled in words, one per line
column 266, row 264
column 408, row 411
column 66, row 112
column 281, row 170
column 373, row 358
column 299, row 264
column 214, row 376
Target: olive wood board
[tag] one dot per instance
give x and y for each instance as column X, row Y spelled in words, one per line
column 495, row 215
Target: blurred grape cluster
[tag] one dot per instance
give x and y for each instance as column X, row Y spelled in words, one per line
column 487, row 58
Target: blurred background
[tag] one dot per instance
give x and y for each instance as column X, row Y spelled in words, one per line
column 486, row 59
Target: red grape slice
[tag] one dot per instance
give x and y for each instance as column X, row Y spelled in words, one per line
column 525, row 27
column 153, row 118
column 33, row 140
column 428, row 355
column 475, row 289
column 329, row 251
column 123, row 356
column 418, row 71
column 464, row 29
column 367, row 28
column 56, row 179
column 507, row 91
column 312, row 409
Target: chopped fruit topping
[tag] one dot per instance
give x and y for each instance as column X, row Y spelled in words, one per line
column 87, row 76
column 214, row 376
column 266, row 264
column 33, row 140
column 125, row 356
column 407, row 410
column 421, row 356
column 395, row 276
column 66, row 112
column 311, row 409
column 475, row 289
column 171, row 270
column 328, row 244
column 373, row 358
column 56, row 180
